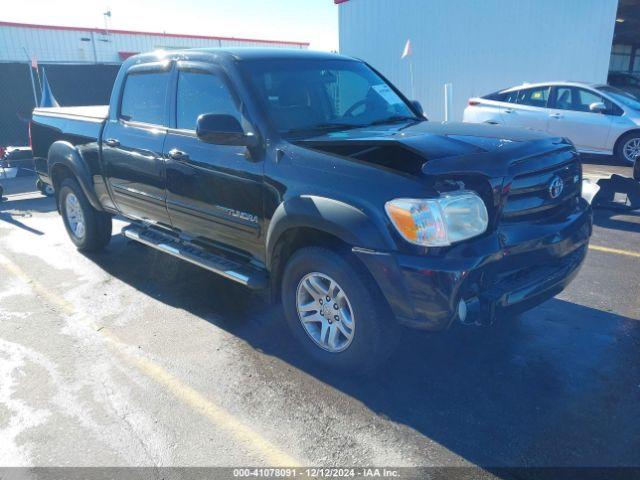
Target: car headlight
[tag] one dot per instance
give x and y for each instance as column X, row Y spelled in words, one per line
column 439, row 222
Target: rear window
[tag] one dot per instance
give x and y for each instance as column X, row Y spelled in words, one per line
column 144, row 97
column 502, row 96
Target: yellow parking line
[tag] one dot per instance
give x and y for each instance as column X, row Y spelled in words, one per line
column 38, row 288
column 189, row 396
column 617, row 251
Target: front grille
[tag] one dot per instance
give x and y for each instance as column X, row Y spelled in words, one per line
column 529, row 197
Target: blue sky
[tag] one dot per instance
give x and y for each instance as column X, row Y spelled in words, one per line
column 314, row 21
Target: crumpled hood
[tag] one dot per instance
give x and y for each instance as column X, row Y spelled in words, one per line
column 436, row 148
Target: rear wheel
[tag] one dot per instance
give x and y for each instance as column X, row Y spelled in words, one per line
column 628, row 148
column 88, row 228
column 335, row 311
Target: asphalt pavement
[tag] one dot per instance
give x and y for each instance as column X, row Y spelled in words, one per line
column 134, row 358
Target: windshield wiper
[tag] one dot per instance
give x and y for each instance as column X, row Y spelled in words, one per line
column 323, row 127
column 338, row 126
column 394, row 119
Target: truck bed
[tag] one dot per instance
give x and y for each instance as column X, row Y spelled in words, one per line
column 76, row 125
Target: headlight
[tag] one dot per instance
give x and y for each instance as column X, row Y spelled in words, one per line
column 441, row 221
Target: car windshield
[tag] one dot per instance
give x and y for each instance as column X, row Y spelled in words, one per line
column 306, row 96
column 621, row 96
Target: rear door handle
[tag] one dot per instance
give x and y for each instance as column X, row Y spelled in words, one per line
column 178, row 155
column 508, row 110
column 556, row 115
column 112, row 142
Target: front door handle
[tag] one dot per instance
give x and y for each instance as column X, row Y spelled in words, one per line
column 112, row 142
column 508, row 110
column 556, row 115
column 178, row 155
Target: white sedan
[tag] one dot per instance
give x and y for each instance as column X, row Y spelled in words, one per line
column 598, row 119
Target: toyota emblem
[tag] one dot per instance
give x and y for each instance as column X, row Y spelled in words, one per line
column 555, row 187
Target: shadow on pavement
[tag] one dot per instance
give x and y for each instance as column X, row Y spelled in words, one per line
column 556, row 386
column 13, row 208
column 627, row 221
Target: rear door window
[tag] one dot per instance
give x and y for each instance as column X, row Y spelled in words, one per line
column 144, row 97
column 534, row 97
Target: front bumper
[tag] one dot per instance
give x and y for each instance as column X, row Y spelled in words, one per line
column 512, row 270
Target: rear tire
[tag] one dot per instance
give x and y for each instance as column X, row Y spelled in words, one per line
column 628, row 146
column 88, row 228
column 354, row 307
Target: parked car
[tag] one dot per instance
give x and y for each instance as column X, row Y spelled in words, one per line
column 310, row 175
column 626, row 81
column 598, row 119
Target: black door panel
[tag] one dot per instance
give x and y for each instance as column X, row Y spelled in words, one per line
column 132, row 147
column 216, row 193
column 213, row 191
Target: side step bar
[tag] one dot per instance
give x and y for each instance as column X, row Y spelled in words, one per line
column 238, row 272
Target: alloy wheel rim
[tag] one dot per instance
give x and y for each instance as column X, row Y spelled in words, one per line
column 325, row 312
column 632, row 149
column 75, row 217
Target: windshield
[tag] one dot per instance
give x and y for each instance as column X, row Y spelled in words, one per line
column 621, row 96
column 303, row 96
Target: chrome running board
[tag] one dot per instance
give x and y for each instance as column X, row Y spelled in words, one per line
column 245, row 274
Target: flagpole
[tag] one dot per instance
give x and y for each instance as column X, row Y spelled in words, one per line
column 33, row 83
column 413, row 88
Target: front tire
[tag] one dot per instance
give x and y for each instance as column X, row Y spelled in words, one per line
column 628, row 148
column 335, row 312
column 88, row 228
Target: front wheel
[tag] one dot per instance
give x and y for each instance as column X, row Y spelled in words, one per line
column 335, row 311
column 88, row 228
column 628, row 148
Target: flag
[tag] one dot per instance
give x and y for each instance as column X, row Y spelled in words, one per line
column 407, row 49
column 34, row 62
column 47, row 98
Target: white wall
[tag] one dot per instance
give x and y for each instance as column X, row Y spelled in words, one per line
column 71, row 45
column 479, row 45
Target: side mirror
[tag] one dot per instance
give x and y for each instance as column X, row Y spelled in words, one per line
column 223, row 130
column 598, row 107
column 417, row 106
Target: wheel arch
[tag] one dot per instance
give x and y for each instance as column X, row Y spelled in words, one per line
column 318, row 221
column 64, row 160
column 622, row 136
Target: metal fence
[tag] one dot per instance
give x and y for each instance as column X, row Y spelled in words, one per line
column 70, row 84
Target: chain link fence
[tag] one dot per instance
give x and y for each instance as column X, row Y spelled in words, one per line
column 71, row 85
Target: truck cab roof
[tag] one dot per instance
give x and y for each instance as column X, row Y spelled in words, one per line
column 240, row 54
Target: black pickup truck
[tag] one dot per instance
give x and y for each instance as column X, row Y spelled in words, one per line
column 311, row 176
